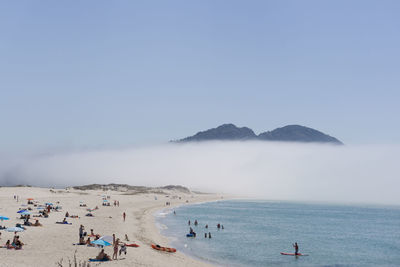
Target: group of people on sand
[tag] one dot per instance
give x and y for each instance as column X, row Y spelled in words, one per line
column 15, row 244
column 117, row 246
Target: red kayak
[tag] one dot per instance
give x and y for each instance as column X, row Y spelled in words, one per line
column 292, row 254
column 163, row 248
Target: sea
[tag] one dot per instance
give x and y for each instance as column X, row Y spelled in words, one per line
column 256, row 232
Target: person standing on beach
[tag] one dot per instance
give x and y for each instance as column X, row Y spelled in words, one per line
column 115, row 255
column 189, row 222
column 209, row 235
column 124, row 215
column 296, row 248
column 81, row 232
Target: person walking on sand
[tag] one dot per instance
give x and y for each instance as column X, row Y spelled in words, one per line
column 296, row 248
column 124, row 215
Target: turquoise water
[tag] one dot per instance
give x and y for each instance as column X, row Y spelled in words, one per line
column 257, row 231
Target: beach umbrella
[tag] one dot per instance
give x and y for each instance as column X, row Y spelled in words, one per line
column 3, row 218
column 26, row 213
column 100, row 242
column 21, row 211
column 14, row 229
column 30, row 198
column 107, row 238
column 49, row 204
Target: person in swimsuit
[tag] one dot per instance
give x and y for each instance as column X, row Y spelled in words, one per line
column 115, row 255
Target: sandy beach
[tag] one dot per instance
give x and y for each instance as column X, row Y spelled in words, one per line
column 52, row 244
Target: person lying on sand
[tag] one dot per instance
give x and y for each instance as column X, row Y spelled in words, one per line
column 37, row 223
column 64, row 221
column 89, row 242
column 103, row 256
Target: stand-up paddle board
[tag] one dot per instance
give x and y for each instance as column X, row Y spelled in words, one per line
column 292, row 254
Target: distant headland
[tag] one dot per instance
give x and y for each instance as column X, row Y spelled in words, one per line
column 289, row 133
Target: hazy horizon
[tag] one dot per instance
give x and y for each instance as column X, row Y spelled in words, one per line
column 268, row 170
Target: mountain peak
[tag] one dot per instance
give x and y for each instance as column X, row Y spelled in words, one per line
column 298, row 133
column 226, row 131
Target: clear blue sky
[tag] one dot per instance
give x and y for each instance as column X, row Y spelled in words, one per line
column 117, row 73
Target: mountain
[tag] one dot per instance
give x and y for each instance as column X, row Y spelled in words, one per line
column 298, row 133
column 223, row 132
column 289, row 133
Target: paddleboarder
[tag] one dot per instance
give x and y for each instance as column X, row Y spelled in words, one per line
column 296, row 248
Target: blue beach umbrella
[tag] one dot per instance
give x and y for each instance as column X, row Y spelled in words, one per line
column 14, row 229
column 101, row 242
column 21, row 211
column 26, row 213
column 49, row 204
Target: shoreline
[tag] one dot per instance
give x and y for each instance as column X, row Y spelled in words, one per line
column 151, row 214
column 51, row 243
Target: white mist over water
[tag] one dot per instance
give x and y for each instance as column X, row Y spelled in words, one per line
column 280, row 171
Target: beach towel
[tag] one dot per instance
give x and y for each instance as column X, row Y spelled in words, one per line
column 98, row 260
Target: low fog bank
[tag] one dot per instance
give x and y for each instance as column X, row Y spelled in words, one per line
column 279, row 171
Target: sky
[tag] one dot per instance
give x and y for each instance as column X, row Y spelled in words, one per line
column 93, row 74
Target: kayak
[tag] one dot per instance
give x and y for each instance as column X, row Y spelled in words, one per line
column 132, row 245
column 163, row 248
column 292, row 254
column 190, row 235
